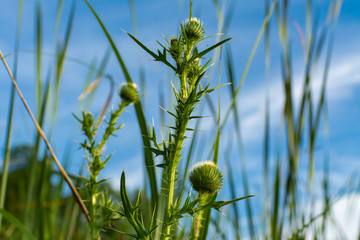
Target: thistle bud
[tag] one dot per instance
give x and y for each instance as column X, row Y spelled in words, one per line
column 87, row 124
column 194, row 71
column 206, row 178
column 88, row 120
column 193, row 30
column 129, row 94
column 175, row 49
column 174, row 41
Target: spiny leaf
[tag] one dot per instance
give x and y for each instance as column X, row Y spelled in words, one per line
column 202, row 53
column 124, row 196
column 218, row 204
column 172, row 114
column 161, row 57
column 157, row 151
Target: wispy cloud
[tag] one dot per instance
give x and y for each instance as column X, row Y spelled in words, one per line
column 344, row 77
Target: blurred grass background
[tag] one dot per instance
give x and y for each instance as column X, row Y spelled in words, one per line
column 285, row 53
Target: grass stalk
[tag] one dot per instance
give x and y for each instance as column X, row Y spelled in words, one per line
column 61, row 53
column 149, row 160
column 205, row 221
column 251, row 57
column 5, row 171
column 38, row 56
column 44, row 171
column 267, row 116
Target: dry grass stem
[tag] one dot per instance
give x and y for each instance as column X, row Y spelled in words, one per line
column 61, row 169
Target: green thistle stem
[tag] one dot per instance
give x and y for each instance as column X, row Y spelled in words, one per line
column 198, row 223
column 181, row 125
column 96, row 166
column 94, row 229
column 111, row 127
column 183, row 90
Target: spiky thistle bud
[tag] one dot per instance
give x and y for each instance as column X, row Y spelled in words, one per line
column 87, row 124
column 175, row 49
column 193, row 30
column 206, row 178
column 129, row 93
column 88, row 120
column 194, row 71
column 174, row 40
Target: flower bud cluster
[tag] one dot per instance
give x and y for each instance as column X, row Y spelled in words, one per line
column 183, row 50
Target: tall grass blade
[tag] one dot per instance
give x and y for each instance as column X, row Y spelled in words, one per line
column 57, row 21
column 75, row 209
column 17, row 223
column 38, row 57
column 275, row 229
column 5, row 172
column 44, row 171
column 61, row 54
column 288, row 113
column 32, row 187
column 90, row 88
column 248, row 64
column 326, row 68
column 244, row 173
column 207, row 215
column 56, row 196
column 267, row 115
column 232, row 182
column 149, row 160
column 133, row 16
column 61, row 169
column 239, row 141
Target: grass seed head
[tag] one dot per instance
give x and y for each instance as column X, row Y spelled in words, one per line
column 206, row 178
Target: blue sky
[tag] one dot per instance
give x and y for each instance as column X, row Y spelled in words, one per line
column 155, row 18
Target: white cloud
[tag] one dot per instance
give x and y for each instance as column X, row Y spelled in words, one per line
column 346, row 214
column 344, row 75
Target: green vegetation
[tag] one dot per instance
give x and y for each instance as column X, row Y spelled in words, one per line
column 180, row 198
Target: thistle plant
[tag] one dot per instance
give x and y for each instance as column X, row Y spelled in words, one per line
column 183, row 50
column 181, row 54
column 102, row 209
